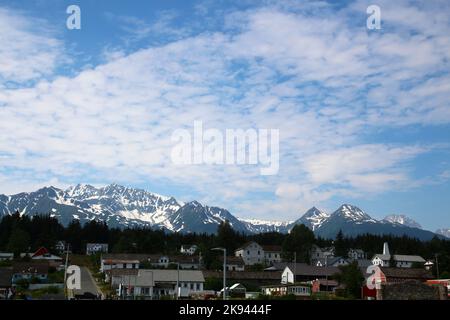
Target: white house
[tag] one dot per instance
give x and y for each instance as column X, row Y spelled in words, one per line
column 357, row 254
column 301, row 272
column 120, row 261
column 136, row 261
column 402, row 261
column 156, row 283
column 272, row 254
column 189, row 249
column 234, row 263
column 251, row 252
column 333, row 262
column 93, row 248
column 320, row 255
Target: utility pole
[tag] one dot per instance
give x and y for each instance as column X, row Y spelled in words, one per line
column 437, row 265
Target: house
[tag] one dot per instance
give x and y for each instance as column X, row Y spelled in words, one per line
column 333, row 262
column 5, row 256
column 402, row 261
column 42, row 254
column 187, row 262
column 147, row 261
column 324, row 285
column 249, row 279
column 189, row 249
column 320, row 255
column 157, row 283
column 60, row 246
column 6, row 275
column 300, row 290
column 93, row 248
column 30, row 270
column 272, row 254
column 336, row 262
column 234, row 263
column 357, row 254
column 251, row 252
column 121, row 261
column 385, row 275
column 301, row 272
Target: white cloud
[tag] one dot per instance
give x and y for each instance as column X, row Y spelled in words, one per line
column 324, row 83
column 28, row 50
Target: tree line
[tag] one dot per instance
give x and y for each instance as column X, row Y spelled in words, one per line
column 23, row 233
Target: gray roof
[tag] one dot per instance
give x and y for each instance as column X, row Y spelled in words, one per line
column 333, row 260
column 162, row 275
column 245, row 275
column 400, row 257
column 407, row 273
column 364, row 263
column 302, row 269
column 147, row 277
column 131, row 257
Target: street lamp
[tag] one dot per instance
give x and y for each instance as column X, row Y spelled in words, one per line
column 224, row 270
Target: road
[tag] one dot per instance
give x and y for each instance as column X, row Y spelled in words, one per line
column 87, row 283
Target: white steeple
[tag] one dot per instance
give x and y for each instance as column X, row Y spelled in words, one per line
column 386, row 249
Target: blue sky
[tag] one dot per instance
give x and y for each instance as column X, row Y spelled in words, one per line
column 364, row 115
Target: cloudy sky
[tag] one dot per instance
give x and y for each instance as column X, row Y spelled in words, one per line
column 363, row 115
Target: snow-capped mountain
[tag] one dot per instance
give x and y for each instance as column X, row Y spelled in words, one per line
column 118, row 206
column 121, row 207
column 353, row 221
column 263, row 226
column 444, row 232
column 403, row 220
column 195, row 217
column 313, row 218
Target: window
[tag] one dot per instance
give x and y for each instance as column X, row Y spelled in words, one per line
column 192, row 286
column 259, row 252
column 198, row 286
column 248, row 252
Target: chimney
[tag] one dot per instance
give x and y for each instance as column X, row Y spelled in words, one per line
column 386, row 249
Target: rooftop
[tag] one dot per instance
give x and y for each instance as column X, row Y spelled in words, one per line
column 401, row 257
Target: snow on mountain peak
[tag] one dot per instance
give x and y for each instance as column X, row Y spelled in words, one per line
column 313, row 218
column 403, row 220
column 444, row 232
column 353, row 213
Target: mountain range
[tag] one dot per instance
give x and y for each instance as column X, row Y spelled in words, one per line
column 122, row 207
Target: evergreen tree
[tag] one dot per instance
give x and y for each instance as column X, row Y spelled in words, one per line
column 18, row 242
column 352, row 278
column 227, row 237
column 299, row 241
column 340, row 246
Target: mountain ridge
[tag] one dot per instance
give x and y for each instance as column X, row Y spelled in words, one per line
column 122, row 207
